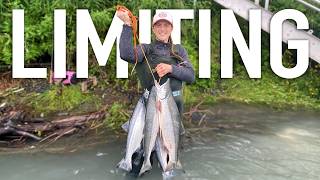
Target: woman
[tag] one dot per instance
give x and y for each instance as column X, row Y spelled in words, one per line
column 166, row 59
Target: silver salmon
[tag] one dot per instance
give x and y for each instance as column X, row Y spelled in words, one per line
column 135, row 134
column 151, row 130
column 161, row 152
column 169, row 122
column 162, row 118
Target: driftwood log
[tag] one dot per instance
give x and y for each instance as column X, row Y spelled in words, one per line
column 16, row 124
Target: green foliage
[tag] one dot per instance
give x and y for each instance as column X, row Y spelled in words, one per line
column 117, row 115
column 63, row 99
column 267, row 91
column 39, row 25
column 273, row 90
column 312, row 15
column 270, row 89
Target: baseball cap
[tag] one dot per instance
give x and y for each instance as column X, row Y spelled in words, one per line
column 162, row 15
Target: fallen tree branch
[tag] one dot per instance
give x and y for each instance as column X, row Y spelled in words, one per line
column 17, row 122
column 8, row 130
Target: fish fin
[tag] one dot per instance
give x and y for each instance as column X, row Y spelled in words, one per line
column 145, row 167
column 172, row 174
column 179, row 165
column 123, row 164
column 170, row 165
column 125, row 126
column 164, row 167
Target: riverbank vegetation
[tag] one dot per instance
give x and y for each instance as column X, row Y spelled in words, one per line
column 269, row 90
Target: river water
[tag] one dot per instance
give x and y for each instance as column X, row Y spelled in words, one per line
column 237, row 142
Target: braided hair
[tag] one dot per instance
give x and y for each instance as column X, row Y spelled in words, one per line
column 172, row 52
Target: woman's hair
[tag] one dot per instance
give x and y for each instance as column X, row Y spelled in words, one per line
column 173, row 50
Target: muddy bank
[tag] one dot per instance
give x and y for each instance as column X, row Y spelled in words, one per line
column 116, row 102
column 30, row 110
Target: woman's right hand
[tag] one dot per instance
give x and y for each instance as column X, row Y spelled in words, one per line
column 123, row 15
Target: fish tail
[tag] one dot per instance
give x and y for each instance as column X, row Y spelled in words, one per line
column 179, row 165
column 125, row 165
column 145, row 167
column 170, row 165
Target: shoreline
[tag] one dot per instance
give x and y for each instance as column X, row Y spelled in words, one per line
column 215, row 119
column 51, row 102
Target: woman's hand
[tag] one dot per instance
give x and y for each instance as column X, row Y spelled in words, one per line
column 163, row 69
column 123, row 15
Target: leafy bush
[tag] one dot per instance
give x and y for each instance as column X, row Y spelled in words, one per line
column 117, row 115
column 63, row 99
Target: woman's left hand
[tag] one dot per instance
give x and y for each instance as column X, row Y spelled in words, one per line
column 163, row 69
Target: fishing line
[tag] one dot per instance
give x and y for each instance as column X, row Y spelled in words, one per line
column 135, row 39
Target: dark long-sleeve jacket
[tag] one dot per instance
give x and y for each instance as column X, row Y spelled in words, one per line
column 184, row 71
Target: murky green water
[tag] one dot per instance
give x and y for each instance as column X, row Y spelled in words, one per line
column 238, row 142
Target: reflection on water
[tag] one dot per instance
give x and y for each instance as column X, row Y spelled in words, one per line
column 239, row 142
